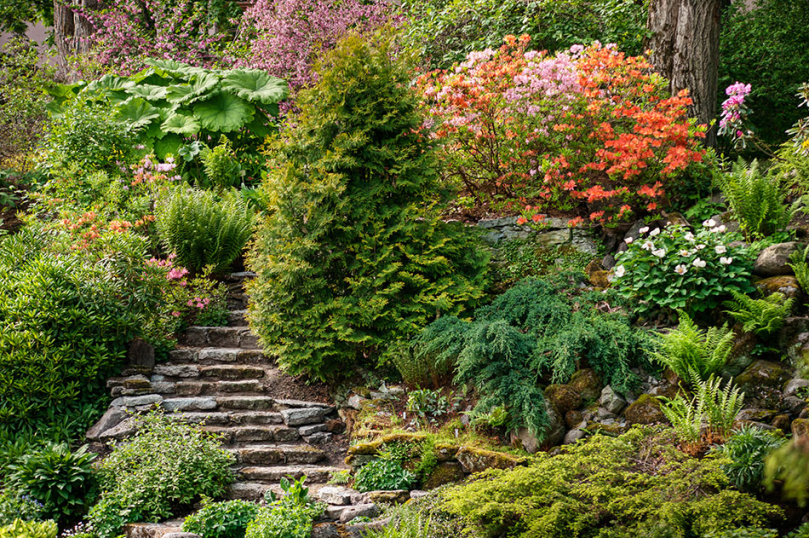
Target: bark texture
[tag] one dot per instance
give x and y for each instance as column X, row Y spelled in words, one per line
column 71, row 30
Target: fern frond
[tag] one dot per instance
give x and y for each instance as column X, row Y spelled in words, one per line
column 759, row 316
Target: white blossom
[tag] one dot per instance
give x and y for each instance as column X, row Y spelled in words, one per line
column 654, row 232
column 628, row 240
column 710, row 223
column 643, row 230
column 725, row 261
column 721, row 249
column 720, row 229
column 698, row 262
column 660, row 253
column 619, row 271
column 681, row 269
column 700, row 246
column 648, row 245
column 684, row 253
column 689, row 237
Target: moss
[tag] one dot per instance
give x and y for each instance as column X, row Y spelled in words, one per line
column 373, row 447
column 446, row 451
column 644, row 410
column 475, row 460
column 587, row 383
column 445, row 473
column 565, row 397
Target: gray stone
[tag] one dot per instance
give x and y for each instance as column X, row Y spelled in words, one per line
column 356, row 401
column 793, row 385
column 793, row 405
column 418, row 494
column 553, row 433
column 334, row 512
column 299, row 417
column 140, row 353
column 497, row 223
column 611, row 400
column 134, row 401
column 304, row 404
column 605, row 414
column 772, row 261
column 318, row 438
column 113, row 417
column 164, row 387
column 582, row 240
column 177, row 370
column 337, row 495
column 608, row 262
column 326, row 530
column 311, row 429
column 189, row 404
column 363, row 530
column 572, row 436
column 553, row 237
column 123, row 430
column 360, row 510
column 181, row 535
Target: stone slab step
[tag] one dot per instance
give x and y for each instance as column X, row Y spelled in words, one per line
column 241, row 434
column 231, row 371
column 237, row 318
column 153, row 530
column 244, row 387
column 278, row 454
column 199, row 403
column 246, row 402
column 314, row 474
column 230, row 337
column 231, row 418
column 254, row 491
column 216, row 355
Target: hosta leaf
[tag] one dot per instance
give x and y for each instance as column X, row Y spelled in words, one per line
column 149, row 92
column 137, row 112
column 181, row 124
column 256, row 85
column 224, row 112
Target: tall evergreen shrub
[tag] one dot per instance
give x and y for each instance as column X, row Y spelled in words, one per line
column 353, row 257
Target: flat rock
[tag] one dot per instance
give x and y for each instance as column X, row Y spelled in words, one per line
column 573, row 436
column 304, row 404
column 177, row 370
column 123, row 430
column 359, row 510
column 136, row 401
column 188, row 404
column 113, row 417
column 773, row 260
column 393, row 496
column 338, row 495
column 303, row 416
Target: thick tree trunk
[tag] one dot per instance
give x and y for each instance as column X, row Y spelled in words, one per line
column 685, row 49
column 71, row 30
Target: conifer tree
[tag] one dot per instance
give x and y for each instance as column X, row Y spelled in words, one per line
column 353, row 257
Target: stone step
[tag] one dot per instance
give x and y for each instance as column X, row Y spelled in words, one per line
column 207, row 388
column 246, row 402
column 217, row 355
column 153, row 530
column 231, row 371
column 277, row 454
column 254, row 491
column 242, row 434
column 230, row 418
column 237, row 318
column 229, row 337
column 314, row 474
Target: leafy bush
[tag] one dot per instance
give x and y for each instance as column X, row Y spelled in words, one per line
column 443, row 32
column 706, row 418
column 774, row 34
column 532, row 330
column 800, row 266
column 789, row 465
column 227, row 519
column 757, row 199
column 14, row 504
column 354, row 258
column 203, row 229
column 429, row 358
column 746, row 450
column 421, row 518
column 58, row 478
column 165, row 466
column 600, row 487
column 524, row 129
column 383, row 473
column 288, row 517
column 428, row 404
column 760, row 316
column 517, row 259
column 222, row 170
column 694, row 354
column 21, row 529
column 171, row 102
column 55, row 358
column 675, row 269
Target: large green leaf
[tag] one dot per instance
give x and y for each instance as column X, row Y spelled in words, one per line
column 224, row 112
column 174, row 68
column 256, row 85
column 150, row 92
column 137, row 112
column 181, row 124
column 201, row 87
column 169, row 144
column 110, row 83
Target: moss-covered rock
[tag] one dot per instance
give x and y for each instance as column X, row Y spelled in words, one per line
column 761, row 383
column 613, row 429
column 475, row 460
column 564, row 397
column 446, row 451
column 800, row 426
column 600, row 279
column 786, row 285
column 393, row 496
column 587, row 383
column 573, row 419
column 372, row 447
column 447, row 472
column 644, row 410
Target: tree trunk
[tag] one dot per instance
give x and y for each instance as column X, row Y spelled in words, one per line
column 71, row 30
column 685, row 49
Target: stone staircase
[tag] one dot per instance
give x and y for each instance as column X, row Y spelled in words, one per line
column 219, row 378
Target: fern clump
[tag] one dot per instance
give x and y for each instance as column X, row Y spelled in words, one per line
column 202, row 228
column 760, row 316
column 692, row 353
column 354, row 257
column 221, row 167
column 800, row 267
column 757, row 199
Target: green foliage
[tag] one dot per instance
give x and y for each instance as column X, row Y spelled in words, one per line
column 601, row 488
column 746, row 450
column 706, row 417
column 496, row 417
column 790, row 466
column 429, row 359
column 222, row 170
column 202, row 228
column 675, row 269
column 22, row 529
column 284, row 520
column 66, row 317
column 228, row 519
column 757, row 199
column 691, row 352
column 294, row 492
column 800, row 267
column 532, row 330
column 429, row 405
column 169, row 102
column 753, row 532
column 383, row 473
column 340, row 478
column 354, row 257
column 443, row 32
column 422, row 518
column 14, row 504
column 58, row 478
column 87, row 134
column 774, row 34
column 165, row 466
column 760, row 316
column 522, row 258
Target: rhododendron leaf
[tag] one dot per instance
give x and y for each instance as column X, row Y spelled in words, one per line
column 256, row 85
column 150, row 92
column 137, row 112
column 224, row 112
column 169, row 144
column 181, row 124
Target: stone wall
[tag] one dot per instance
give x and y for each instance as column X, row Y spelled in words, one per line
column 555, row 232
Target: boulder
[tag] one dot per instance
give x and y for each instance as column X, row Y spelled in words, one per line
column 611, row 400
column 552, row 434
column 359, row 510
column 645, row 410
column 600, row 279
column 773, row 260
column 785, row 284
column 564, row 397
column 123, row 430
column 475, row 460
column 338, row 495
column 573, row 436
column 800, row 426
column 446, row 472
column 587, row 383
column 113, row 417
column 392, row 496
column 303, row 416
column 573, row 419
column 792, row 386
column 756, row 415
column 140, row 353
column 781, row 422
column 761, row 383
